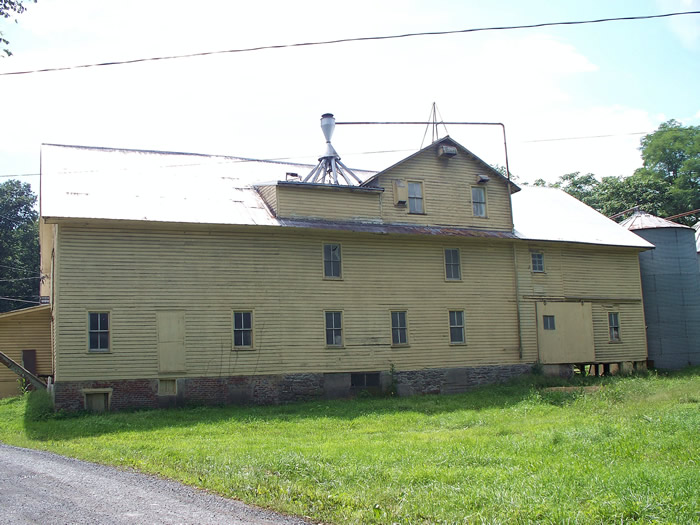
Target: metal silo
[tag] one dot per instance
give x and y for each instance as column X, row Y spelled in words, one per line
column 671, row 290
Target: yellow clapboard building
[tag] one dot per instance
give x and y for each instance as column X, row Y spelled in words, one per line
column 180, row 278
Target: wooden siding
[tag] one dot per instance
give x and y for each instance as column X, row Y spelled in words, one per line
column 447, row 195
column 269, row 195
column 327, row 203
column 278, row 274
column 25, row 330
column 46, row 246
column 606, row 277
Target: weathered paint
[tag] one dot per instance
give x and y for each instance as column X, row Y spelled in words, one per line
column 27, row 329
column 446, row 192
column 327, row 202
column 570, row 338
column 607, row 278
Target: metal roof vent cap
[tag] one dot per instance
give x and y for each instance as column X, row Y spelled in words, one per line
column 329, row 166
column 447, row 151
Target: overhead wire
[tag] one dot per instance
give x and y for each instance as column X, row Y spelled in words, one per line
column 347, row 40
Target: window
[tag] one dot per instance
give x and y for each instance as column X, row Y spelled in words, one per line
column 364, row 380
column 479, row 201
column 98, row 332
column 537, row 262
column 243, row 329
column 331, row 261
column 456, row 326
column 614, row 324
column 334, row 328
column 415, row 197
column 399, row 329
column 548, row 322
column 452, row 267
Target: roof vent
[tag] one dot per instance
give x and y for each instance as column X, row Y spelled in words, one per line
column 447, row 151
column 483, row 179
column 329, row 166
column 292, row 176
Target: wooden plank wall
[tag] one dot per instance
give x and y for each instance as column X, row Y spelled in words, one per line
column 329, row 203
column 447, row 192
column 605, row 276
column 25, row 330
column 133, row 274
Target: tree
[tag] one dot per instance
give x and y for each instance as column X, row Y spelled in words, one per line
column 9, row 8
column 666, row 185
column 672, row 154
column 19, row 246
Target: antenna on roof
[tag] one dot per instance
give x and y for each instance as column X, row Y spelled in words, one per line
column 329, row 166
column 433, row 125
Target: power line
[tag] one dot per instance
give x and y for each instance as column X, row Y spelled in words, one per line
column 18, row 279
column 19, row 300
column 20, row 175
column 345, row 40
column 17, row 268
column 589, row 137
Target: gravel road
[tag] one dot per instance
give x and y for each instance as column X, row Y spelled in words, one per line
column 40, row 487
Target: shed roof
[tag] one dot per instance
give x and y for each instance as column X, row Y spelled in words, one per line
column 641, row 220
column 551, row 214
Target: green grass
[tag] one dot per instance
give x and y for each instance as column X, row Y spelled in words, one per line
column 502, row 454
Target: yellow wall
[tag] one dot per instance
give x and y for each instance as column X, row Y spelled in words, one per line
column 608, row 278
column 277, row 273
column 27, row 329
column 328, row 202
column 447, row 192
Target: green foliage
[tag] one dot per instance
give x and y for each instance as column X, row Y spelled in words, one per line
column 19, row 245
column 39, row 405
column 668, row 184
column 8, row 8
column 513, row 453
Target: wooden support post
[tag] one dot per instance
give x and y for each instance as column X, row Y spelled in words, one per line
column 606, row 369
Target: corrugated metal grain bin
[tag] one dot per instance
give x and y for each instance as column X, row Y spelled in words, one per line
column 671, row 290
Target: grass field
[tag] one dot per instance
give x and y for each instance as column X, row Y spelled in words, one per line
column 514, row 453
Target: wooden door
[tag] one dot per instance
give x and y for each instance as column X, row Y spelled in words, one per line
column 565, row 332
column 171, row 341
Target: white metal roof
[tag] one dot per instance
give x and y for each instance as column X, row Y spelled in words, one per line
column 550, row 214
column 117, row 184
column 105, row 183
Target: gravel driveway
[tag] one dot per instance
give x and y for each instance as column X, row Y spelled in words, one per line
column 40, row 487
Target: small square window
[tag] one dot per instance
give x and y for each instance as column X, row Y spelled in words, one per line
column 479, row 201
column 243, row 329
column 453, row 271
column 614, row 325
column 537, row 259
column 457, row 327
column 399, row 328
column 415, row 197
column 548, row 322
column 334, row 328
column 98, row 331
column 331, row 261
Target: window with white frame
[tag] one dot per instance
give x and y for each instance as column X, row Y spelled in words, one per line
column 479, row 201
column 457, row 327
column 98, row 331
column 537, row 259
column 243, row 329
column 334, row 328
column 399, row 328
column 453, row 271
column 548, row 322
column 331, row 261
column 614, row 326
column 415, row 197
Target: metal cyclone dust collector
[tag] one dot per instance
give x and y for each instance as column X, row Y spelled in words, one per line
column 329, row 166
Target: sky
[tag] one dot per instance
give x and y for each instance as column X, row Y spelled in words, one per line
column 572, row 98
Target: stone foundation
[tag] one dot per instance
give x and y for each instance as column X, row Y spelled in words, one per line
column 273, row 389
